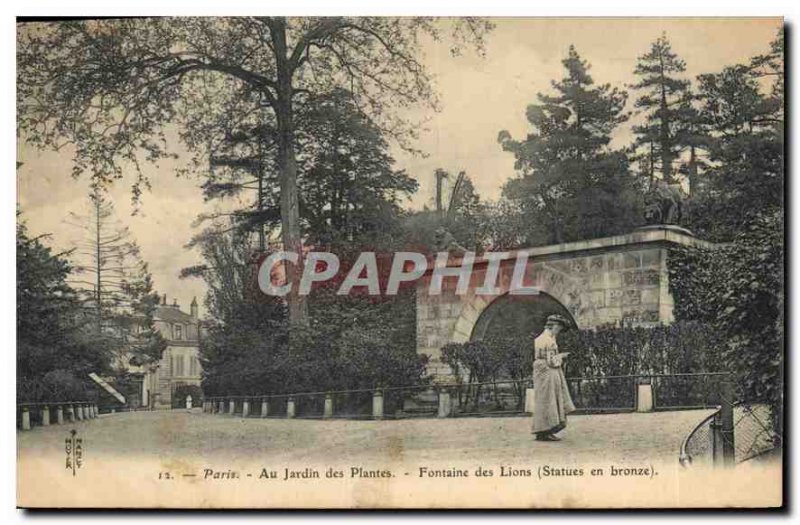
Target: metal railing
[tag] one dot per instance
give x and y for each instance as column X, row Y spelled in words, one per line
column 46, row 413
column 745, row 432
column 619, row 393
column 733, row 433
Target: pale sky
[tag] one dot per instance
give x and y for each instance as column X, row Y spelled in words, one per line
column 479, row 98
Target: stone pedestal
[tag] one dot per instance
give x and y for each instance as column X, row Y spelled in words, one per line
column 71, row 413
column 232, row 407
column 377, row 405
column 26, row 418
column 327, row 411
column 264, row 408
column 79, row 412
column 246, row 408
column 529, row 400
column 45, row 416
column 290, row 408
column 644, row 398
column 60, row 415
column 445, row 404
column 221, row 407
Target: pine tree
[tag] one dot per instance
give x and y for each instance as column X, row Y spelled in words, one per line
column 666, row 101
column 115, row 286
column 742, row 110
column 55, row 353
column 571, row 183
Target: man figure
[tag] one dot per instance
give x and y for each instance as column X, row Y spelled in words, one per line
column 551, row 399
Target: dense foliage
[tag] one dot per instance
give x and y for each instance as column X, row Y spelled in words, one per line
column 572, row 184
column 737, row 290
column 351, row 342
column 56, row 349
column 499, row 358
column 684, row 346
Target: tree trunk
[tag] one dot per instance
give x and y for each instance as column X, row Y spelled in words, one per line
column 287, row 168
column 693, row 182
column 666, row 148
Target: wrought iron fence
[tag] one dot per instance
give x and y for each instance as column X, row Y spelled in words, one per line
column 754, row 431
column 733, row 433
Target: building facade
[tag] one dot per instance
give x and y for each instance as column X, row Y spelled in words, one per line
column 179, row 371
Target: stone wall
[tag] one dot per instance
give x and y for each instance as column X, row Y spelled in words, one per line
column 620, row 279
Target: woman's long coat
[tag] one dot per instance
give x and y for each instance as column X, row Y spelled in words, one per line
column 551, row 399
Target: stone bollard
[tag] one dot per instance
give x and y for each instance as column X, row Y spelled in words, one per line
column 529, row 400
column 327, row 411
column 246, row 408
column 264, row 408
column 644, row 398
column 290, row 408
column 90, row 409
column 221, row 407
column 445, row 405
column 45, row 416
column 232, row 406
column 79, row 413
column 377, row 405
column 71, row 413
column 60, row 415
column 26, row 418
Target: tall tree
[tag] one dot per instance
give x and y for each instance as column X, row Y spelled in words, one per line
column 109, row 87
column 115, row 285
column 742, row 109
column 571, row 183
column 56, row 350
column 666, row 102
column 349, row 189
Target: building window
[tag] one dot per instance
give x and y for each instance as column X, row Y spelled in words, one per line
column 177, row 332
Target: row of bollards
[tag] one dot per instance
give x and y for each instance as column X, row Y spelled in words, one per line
column 228, row 406
column 71, row 412
column 445, row 405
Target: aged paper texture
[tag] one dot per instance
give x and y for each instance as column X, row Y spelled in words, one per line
column 379, row 263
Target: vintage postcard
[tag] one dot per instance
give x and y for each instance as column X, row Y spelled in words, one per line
column 374, row 263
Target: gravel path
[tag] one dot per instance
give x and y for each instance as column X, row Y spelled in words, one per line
column 178, row 433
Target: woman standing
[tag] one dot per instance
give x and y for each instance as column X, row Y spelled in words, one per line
column 551, row 399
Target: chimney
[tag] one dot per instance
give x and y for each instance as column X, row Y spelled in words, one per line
column 193, row 307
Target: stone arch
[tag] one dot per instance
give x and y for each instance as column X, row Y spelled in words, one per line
column 517, row 315
column 553, row 282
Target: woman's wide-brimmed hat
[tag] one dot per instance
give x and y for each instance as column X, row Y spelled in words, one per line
column 560, row 319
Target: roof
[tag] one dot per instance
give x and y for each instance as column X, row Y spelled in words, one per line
column 173, row 314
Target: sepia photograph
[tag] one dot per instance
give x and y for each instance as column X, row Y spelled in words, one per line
column 374, row 262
